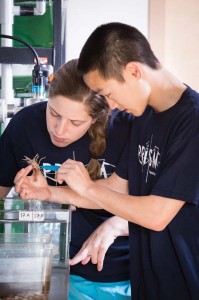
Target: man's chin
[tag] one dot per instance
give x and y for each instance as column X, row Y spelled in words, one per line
column 135, row 113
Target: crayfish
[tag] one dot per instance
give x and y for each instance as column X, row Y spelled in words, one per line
column 35, row 164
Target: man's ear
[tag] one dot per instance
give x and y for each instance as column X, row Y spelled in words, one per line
column 93, row 121
column 134, row 69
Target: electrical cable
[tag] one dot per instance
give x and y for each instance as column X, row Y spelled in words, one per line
column 23, row 42
column 39, row 73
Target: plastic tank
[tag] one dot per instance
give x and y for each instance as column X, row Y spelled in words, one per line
column 25, row 270
column 34, row 244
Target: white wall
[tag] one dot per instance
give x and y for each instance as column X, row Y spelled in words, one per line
column 83, row 16
column 174, row 36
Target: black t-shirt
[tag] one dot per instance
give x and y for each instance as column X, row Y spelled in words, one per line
column 27, row 134
column 163, row 159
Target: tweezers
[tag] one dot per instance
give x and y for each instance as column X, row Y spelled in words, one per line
column 53, row 179
column 50, row 168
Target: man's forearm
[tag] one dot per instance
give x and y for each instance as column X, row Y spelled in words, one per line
column 152, row 212
column 65, row 195
column 4, row 191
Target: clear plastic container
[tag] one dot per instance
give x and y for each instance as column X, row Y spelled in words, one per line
column 38, row 219
column 25, row 269
column 26, row 229
column 21, row 238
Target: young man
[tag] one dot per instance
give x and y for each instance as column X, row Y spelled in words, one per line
column 73, row 124
column 159, row 168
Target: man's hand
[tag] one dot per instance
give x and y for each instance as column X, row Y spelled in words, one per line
column 28, row 188
column 75, row 175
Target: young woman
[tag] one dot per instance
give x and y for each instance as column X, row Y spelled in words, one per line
column 73, row 124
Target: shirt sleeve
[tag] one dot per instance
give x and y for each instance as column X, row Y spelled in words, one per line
column 179, row 175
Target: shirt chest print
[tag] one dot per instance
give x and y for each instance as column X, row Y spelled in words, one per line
column 105, row 171
column 149, row 156
column 106, row 168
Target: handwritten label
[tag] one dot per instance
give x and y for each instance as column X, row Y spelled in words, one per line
column 25, row 215
column 36, row 216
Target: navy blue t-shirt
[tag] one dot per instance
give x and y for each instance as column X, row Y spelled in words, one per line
column 163, row 159
column 27, row 134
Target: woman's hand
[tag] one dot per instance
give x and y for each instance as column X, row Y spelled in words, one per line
column 96, row 246
column 28, row 188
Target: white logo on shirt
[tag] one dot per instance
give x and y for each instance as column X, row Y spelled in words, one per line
column 106, row 169
column 149, row 155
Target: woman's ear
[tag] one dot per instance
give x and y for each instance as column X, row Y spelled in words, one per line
column 134, row 69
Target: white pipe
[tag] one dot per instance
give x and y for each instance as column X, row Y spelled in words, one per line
column 6, row 20
column 16, row 10
column 7, row 92
column 40, row 8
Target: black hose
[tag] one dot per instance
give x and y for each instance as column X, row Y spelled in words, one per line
column 23, row 42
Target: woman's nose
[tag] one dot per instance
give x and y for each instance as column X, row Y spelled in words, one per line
column 61, row 127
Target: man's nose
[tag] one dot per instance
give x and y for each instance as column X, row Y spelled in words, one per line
column 112, row 104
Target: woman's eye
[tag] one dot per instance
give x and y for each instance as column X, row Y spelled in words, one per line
column 75, row 124
column 53, row 114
